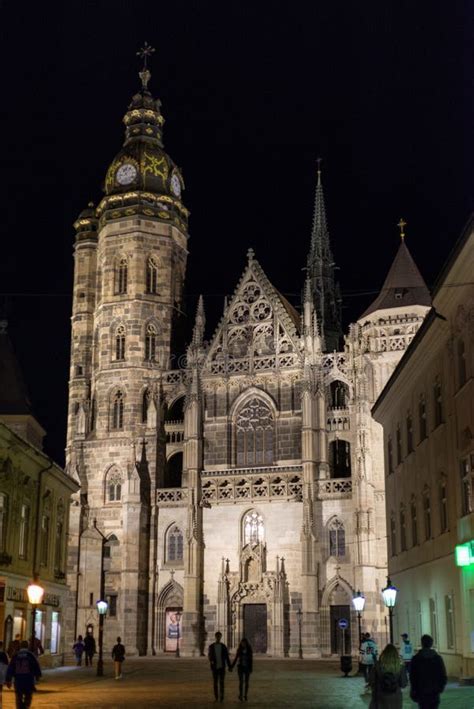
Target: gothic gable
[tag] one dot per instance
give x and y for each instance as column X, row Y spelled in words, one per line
column 258, row 331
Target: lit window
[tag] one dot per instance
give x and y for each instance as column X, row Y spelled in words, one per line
column 337, row 538
column 448, row 605
column 253, row 528
column 255, row 430
column 434, row 621
column 151, row 276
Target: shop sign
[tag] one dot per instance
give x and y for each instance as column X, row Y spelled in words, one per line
column 19, row 595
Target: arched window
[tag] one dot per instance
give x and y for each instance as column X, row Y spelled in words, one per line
column 145, row 403
column 174, row 545
column 255, row 430
column 3, row 521
column 113, row 485
column 340, row 459
column 150, row 342
column 117, row 411
column 174, row 471
column 339, row 395
column 121, row 277
column 337, row 538
column 24, row 532
column 120, row 343
column 151, row 276
column 253, row 528
column 176, row 411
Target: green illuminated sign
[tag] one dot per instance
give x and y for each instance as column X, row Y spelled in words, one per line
column 465, row 554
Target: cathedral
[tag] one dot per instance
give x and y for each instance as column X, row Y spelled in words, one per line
column 243, row 490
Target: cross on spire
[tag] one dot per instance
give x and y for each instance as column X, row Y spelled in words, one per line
column 402, row 224
column 145, row 75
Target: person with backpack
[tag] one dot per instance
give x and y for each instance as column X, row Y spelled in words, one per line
column 369, row 652
column 78, row 650
column 23, row 669
column 406, row 652
column 118, row 655
column 387, row 678
column 428, row 675
column 89, row 648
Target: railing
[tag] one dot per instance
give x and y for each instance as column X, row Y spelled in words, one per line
column 172, row 496
column 337, row 488
column 174, row 431
column 245, row 484
column 338, row 419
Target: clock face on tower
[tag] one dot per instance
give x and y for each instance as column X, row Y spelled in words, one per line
column 126, row 173
column 175, row 185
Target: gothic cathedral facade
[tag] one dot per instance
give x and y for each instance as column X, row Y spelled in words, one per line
column 242, row 491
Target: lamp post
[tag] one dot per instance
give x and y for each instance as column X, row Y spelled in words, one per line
column 178, row 618
column 299, row 616
column 35, row 596
column 102, row 605
column 389, row 594
column 359, row 602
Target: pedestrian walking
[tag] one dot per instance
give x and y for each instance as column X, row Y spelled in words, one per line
column 218, row 657
column 387, row 679
column 406, row 652
column 24, row 669
column 244, row 661
column 78, row 649
column 428, row 675
column 369, row 653
column 89, row 648
column 14, row 646
column 118, row 655
column 36, row 647
column 3, row 671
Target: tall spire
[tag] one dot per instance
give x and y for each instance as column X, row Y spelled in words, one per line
column 199, row 324
column 320, row 270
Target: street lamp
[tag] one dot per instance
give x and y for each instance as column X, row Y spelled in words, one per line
column 102, row 607
column 359, row 602
column 389, row 594
column 299, row 616
column 35, row 596
column 178, row 618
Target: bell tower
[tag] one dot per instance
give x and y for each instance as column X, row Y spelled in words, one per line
column 130, row 259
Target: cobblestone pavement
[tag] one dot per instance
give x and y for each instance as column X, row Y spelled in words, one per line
column 171, row 682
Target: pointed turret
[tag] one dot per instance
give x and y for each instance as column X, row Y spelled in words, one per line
column 199, row 324
column 404, row 285
column 320, row 268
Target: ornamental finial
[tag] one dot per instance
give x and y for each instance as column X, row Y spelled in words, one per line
column 250, row 255
column 145, row 74
column 402, row 224
column 319, row 161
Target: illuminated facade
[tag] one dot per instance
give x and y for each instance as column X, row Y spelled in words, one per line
column 248, row 484
column 428, row 419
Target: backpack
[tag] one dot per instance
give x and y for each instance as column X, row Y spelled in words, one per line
column 389, row 682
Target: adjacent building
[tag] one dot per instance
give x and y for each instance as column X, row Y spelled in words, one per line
column 242, row 491
column 427, row 413
column 35, row 496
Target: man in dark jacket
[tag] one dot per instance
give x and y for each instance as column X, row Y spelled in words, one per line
column 24, row 669
column 89, row 648
column 427, row 675
column 219, row 657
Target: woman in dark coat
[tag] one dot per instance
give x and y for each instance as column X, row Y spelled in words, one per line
column 244, row 661
column 387, row 678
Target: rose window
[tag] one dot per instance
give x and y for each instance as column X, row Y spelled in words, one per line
column 261, row 310
column 251, row 293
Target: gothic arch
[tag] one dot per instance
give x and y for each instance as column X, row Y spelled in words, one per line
column 250, row 393
column 170, row 596
column 254, row 422
column 258, row 527
column 173, row 473
column 175, row 408
column 332, row 585
column 174, row 545
column 113, row 484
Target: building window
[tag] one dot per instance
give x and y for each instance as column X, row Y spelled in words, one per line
column 151, row 276
column 339, row 394
column 438, row 402
column 443, row 506
column 55, row 632
column 253, row 528
column 120, row 343
column 422, row 417
column 427, row 513
column 255, row 431
column 449, row 610
column 409, row 433
column 117, row 412
column 93, row 418
column 112, row 601
column 145, row 404
column 121, row 277
column 3, row 521
column 44, row 540
column 399, row 445
column 337, row 538
column 390, row 455
column 393, row 535
column 414, row 522
column 24, row 532
column 434, row 621
column 114, row 485
column 403, row 529
column 58, row 548
column 466, row 468
column 150, row 342
column 340, row 459
column 174, row 545
column 461, row 356
column 173, row 473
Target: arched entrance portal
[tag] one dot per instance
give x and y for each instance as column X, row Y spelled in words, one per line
column 336, row 604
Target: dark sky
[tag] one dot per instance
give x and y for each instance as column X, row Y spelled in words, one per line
column 252, row 92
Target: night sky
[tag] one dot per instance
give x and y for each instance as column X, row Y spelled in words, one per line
column 252, row 93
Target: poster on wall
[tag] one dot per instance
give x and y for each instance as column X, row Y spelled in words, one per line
column 173, row 629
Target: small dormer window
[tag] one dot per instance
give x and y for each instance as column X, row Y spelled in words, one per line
column 398, row 295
